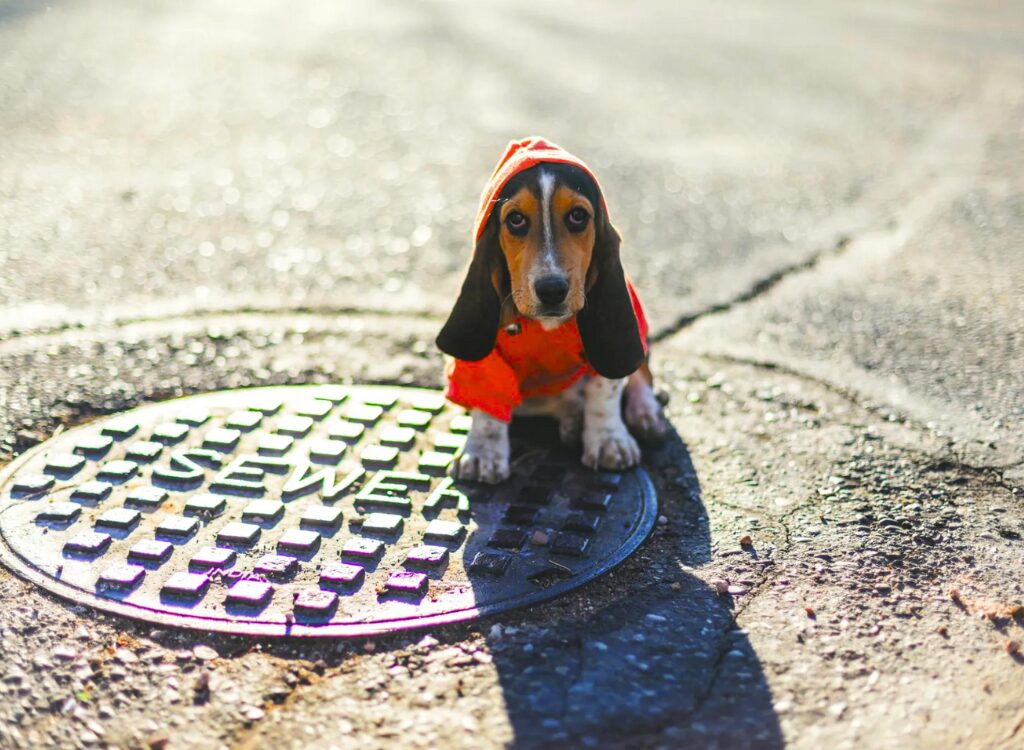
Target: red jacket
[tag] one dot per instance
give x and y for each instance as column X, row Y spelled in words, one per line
column 533, row 362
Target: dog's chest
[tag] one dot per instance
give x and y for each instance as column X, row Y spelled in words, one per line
column 544, row 361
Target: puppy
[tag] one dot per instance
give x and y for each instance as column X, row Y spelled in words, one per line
column 546, row 321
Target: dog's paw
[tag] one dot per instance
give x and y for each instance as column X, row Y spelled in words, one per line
column 610, row 448
column 646, row 418
column 489, row 465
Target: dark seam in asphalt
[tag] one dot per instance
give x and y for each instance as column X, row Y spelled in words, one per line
column 722, row 645
column 1016, row 729
column 242, row 737
column 766, row 515
column 193, row 315
column 879, row 409
column 764, row 576
column 757, row 289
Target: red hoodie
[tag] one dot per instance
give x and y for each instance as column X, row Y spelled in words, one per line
column 533, row 362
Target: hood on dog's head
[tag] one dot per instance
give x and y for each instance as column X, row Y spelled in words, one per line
column 518, row 157
column 607, row 324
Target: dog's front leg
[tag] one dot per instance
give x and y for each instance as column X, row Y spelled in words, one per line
column 485, row 457
column 607, row 443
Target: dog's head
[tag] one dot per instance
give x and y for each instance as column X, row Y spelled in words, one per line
column 548, row 251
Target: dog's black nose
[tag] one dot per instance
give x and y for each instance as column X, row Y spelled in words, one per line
column 551, row 290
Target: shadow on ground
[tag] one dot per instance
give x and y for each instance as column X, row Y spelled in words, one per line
column 646, row 656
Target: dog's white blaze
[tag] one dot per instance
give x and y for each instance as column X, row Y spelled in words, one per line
column 547, row 191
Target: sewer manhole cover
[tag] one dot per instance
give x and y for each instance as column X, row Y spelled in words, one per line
column 305, row 511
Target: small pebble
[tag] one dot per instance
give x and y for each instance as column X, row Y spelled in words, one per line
column 428, row 641
column 1012, row 647
column 252, row 713
column 125, row 656
column 720, row 585
column 539, row 538
column 64, row 653
column 204, row 653
column 662, row 520
column 746, row 541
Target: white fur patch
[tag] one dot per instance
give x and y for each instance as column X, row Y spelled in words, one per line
column 547, row 191
column 486, row 455
column 607, row 443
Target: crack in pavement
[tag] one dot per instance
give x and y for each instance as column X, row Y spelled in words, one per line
column 958, row 134
column 306, row 676
column 758, row 288
column 234, row 314
column 948, row 451
column 764, row 576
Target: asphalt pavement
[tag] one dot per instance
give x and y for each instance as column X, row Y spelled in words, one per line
column 822, row 209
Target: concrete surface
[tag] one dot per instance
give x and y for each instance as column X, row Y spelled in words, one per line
column 822, row 207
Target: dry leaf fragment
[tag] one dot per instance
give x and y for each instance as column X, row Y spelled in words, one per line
column 1012, row 647
column 746, row 541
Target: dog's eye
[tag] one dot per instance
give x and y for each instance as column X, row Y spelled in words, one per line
column 577, row 219
column 517, row 223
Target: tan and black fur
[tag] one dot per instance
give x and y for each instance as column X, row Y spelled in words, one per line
column 548, row 252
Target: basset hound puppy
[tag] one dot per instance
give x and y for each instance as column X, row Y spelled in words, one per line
column 547, row 321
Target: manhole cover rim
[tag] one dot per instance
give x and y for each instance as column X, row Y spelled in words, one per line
column 12, row 560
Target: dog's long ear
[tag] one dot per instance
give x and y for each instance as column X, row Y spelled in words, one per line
column 472, row 325
column 607, row 323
